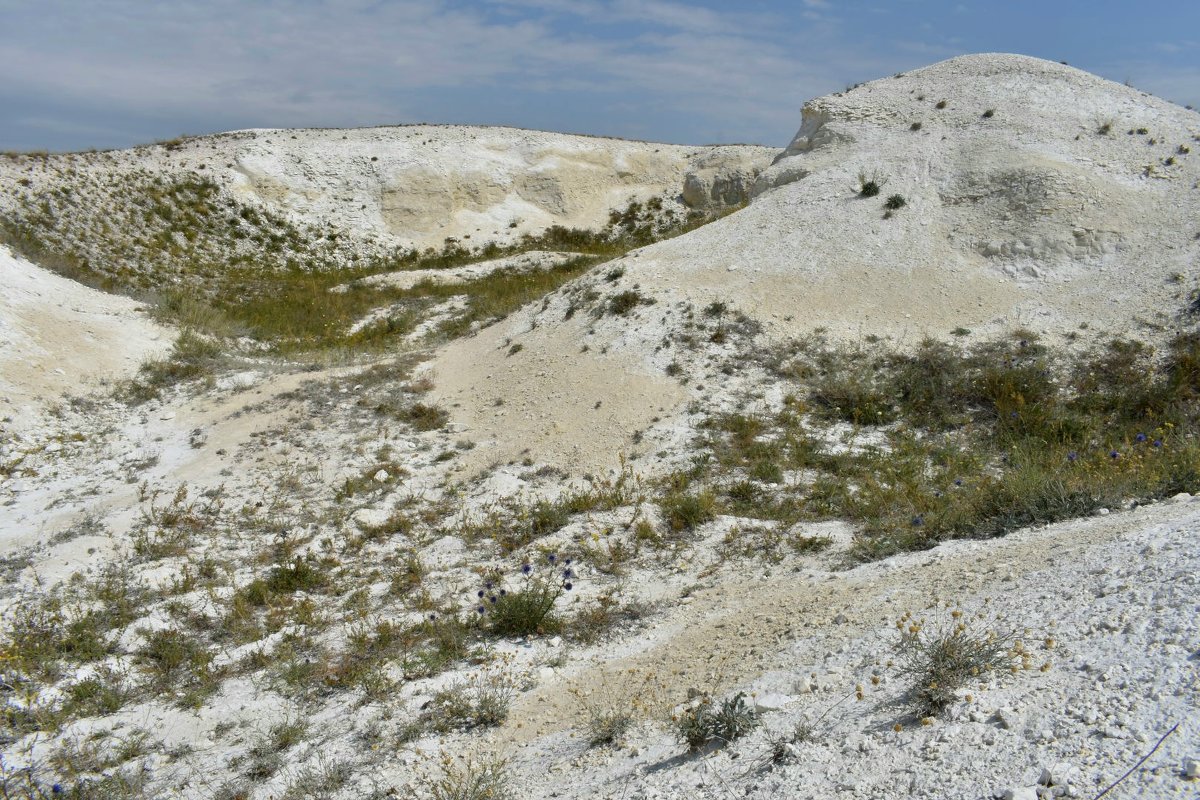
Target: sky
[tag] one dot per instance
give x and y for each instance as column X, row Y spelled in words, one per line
column 82, row 74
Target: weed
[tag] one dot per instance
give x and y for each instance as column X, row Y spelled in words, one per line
column 624, row 302
column 469, row 780
column 528, row 609
column 684, row 511
column 942, row 658
column 895, row 202
column 868, row 186
column 703, row 723
column 991, row 112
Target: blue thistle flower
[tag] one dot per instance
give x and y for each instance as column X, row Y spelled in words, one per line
column 918, row 520
column 480, row 593
column 481, row 609
column 526, row 568
column 1157, row 443
column 56, row 788
column 568, row 586
column 552, row 557
column 958, row 481
column 567, row 573
column 1141, row 437
column 567, row 562
column 503, row 592
column 1071, row 456
column 1114, row 455
column 489, row 585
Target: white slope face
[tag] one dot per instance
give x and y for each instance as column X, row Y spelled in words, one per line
column 419, row 185
column 60, row 337
column 1044, row 214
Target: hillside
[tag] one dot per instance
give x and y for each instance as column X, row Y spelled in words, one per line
column 713, row 477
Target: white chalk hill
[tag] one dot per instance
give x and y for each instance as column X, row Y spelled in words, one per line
column 1035, row 195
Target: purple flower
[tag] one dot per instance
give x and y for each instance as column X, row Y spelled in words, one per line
column 526, row 568
column 552, row 558
column 1141, row 437
column 918, row 520
column 1071, row 456
column 1157, row 442
column 481, row 609
column 568, row 586
column 56, row 788
column 479, row 593
column 503, row 592
column 567, row 562
column 958, row 482
column 1113, row 454
column 488, row 585
column 567, row 573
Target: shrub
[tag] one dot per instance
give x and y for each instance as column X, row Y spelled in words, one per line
column 624, row 302
column 991, row 112
column 703, row 723
column 895, row 202
column 940, row 104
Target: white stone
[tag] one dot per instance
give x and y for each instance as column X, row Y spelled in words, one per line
column 1020, row 793
column 771, row 701
column 381, row 476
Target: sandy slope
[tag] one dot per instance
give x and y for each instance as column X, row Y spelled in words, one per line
column 59, row 337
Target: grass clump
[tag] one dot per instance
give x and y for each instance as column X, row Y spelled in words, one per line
column 469, row 780
column 684, row 511
column 895, row 202
column 193, row 357
column 941, row 659
column 705, row 722
column 868, row 186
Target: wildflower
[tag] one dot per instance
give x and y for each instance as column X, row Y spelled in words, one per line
column 526, row 569
column 1114, row 455
column 958, row 481
column 57, row 788
column 918, row 520
column 1141, row 437
column 503, row 592
column 481, row 609
column 1071, row 456
column 552, row 557
column 480, row 593
column 568, row 586
column 567, row 563
column 567, row 573
column 1157, row 442
column 488, row 585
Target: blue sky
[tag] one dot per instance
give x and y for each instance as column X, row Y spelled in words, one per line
column 112, row 73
